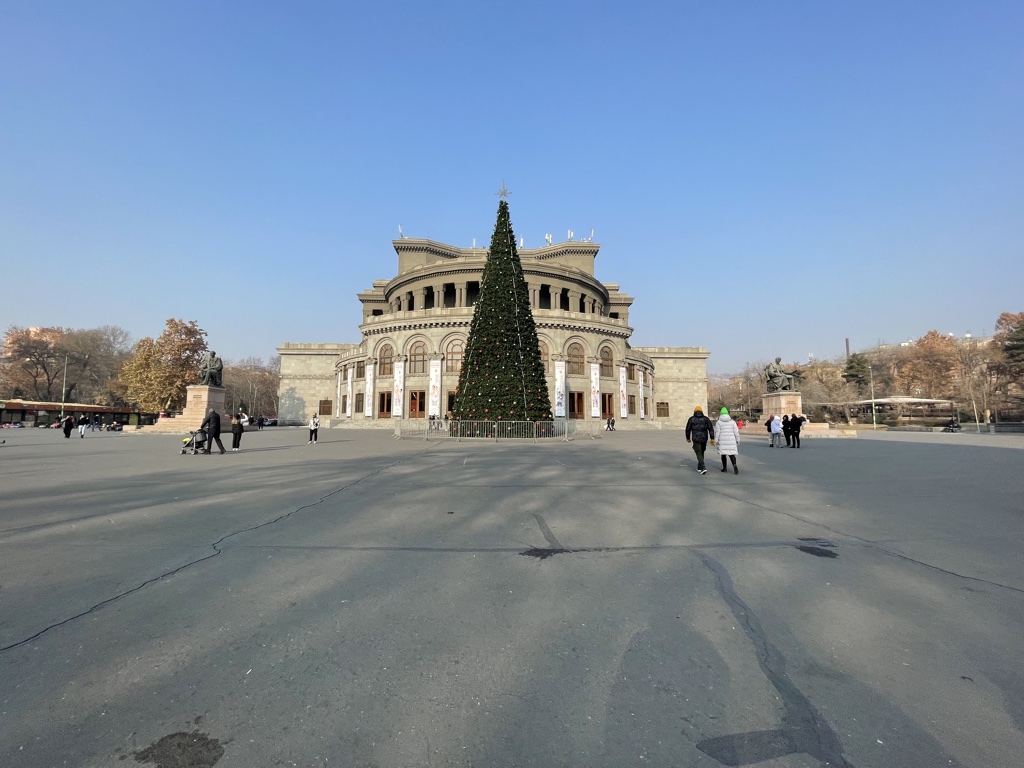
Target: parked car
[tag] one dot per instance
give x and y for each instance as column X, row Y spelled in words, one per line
column 270, row 422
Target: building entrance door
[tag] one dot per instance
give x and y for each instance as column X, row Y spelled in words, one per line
column 607, row 405
column 417, row 404
column 384, row 405
column 576, row 405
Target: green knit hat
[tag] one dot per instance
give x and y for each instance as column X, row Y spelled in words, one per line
column 724, row 411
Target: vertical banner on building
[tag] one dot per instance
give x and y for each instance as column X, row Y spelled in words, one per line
column 641, row 404
column 559, row 389
column 368, row 402
column 348, row 393
column 337, row 398
column 595, row 390
column 434, row 403
column 623, row 408
column 398, row 395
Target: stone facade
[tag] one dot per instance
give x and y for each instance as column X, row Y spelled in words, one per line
column 419, row 320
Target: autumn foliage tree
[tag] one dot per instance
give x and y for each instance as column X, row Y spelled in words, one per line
column 927, row 369
column 39, row 362
column 159, row 370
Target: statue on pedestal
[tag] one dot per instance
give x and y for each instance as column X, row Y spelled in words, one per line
column 211, row 370
column 780, row 380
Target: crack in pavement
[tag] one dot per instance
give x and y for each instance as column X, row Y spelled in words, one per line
column 803, row 728
column 217, row 551
column 870, row 544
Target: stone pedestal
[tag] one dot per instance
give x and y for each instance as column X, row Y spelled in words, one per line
column 200, row 398
column 198, row 401
column 781, row 403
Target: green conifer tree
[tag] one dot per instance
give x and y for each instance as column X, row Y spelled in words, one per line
column 502, row 376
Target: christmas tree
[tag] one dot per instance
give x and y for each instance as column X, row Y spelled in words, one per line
column 502, row 377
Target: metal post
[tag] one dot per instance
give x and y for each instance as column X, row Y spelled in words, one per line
column 872, row 375
column 64, row 387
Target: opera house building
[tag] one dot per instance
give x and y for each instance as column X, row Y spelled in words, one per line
column 413, row 336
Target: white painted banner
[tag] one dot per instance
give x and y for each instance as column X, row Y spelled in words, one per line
column 434, row 403
column 348, row 393
column 595, row 390
column 559, row 389
column 640, row 405
column 368, row 402
column 623, row 405
column 398, row 394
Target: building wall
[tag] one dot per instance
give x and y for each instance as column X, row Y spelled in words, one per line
column 425, row 311
column 307, row 376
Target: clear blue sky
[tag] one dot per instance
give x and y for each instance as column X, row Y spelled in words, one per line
column 766, row 178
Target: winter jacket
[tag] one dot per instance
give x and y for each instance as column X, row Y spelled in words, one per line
column 236, row 427
column 727, row 436
column 776, row 426
column 699, row 428
column 213, row 421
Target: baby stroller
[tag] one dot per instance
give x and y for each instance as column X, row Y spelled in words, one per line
column 194, row 443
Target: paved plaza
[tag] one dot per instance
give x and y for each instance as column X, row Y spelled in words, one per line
column 372, row 602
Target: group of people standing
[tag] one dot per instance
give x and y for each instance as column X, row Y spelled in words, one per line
column 785, row 427
column 725, row 435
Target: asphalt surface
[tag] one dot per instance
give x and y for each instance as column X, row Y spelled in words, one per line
column 374, row 602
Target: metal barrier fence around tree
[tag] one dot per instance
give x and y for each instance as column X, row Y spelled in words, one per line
column 453, row 429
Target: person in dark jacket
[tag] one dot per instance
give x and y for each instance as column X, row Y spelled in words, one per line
column 795, row 422
column 212, row 426
column 67, row 424
column 699, row 430
column 786, row 431
column 237, row 428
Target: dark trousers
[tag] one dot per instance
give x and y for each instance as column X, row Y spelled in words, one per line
column 699, row 448
column 788, row 436
column 730, row 457
column 236, row 439
column 209, row 443
column 312, row 434
column 796, row 439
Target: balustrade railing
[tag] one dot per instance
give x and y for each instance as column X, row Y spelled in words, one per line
column 455, row 429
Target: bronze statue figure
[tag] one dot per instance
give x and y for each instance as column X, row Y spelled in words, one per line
column 780, row 380
column 211, row 370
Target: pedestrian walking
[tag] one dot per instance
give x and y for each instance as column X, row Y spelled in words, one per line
column 314, row 427
column 727, row 436
column 786, row 433
column 95, row 424
column 776, row 430
column 795, row 423
column 67, row 424
column 698, row 430
column 83, row 422
column 236, row 432
column 212, row 426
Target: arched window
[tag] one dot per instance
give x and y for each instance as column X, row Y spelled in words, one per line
column 385, row 361
column 606, row 361
column 453, row 356
column 576, row 360
column 418, row 358
column 545, row 357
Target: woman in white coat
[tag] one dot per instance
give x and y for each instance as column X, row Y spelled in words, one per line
column 776, row 429
column 727, row 438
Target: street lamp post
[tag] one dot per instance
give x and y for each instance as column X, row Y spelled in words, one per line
column 64, row 387
column 872, row 375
